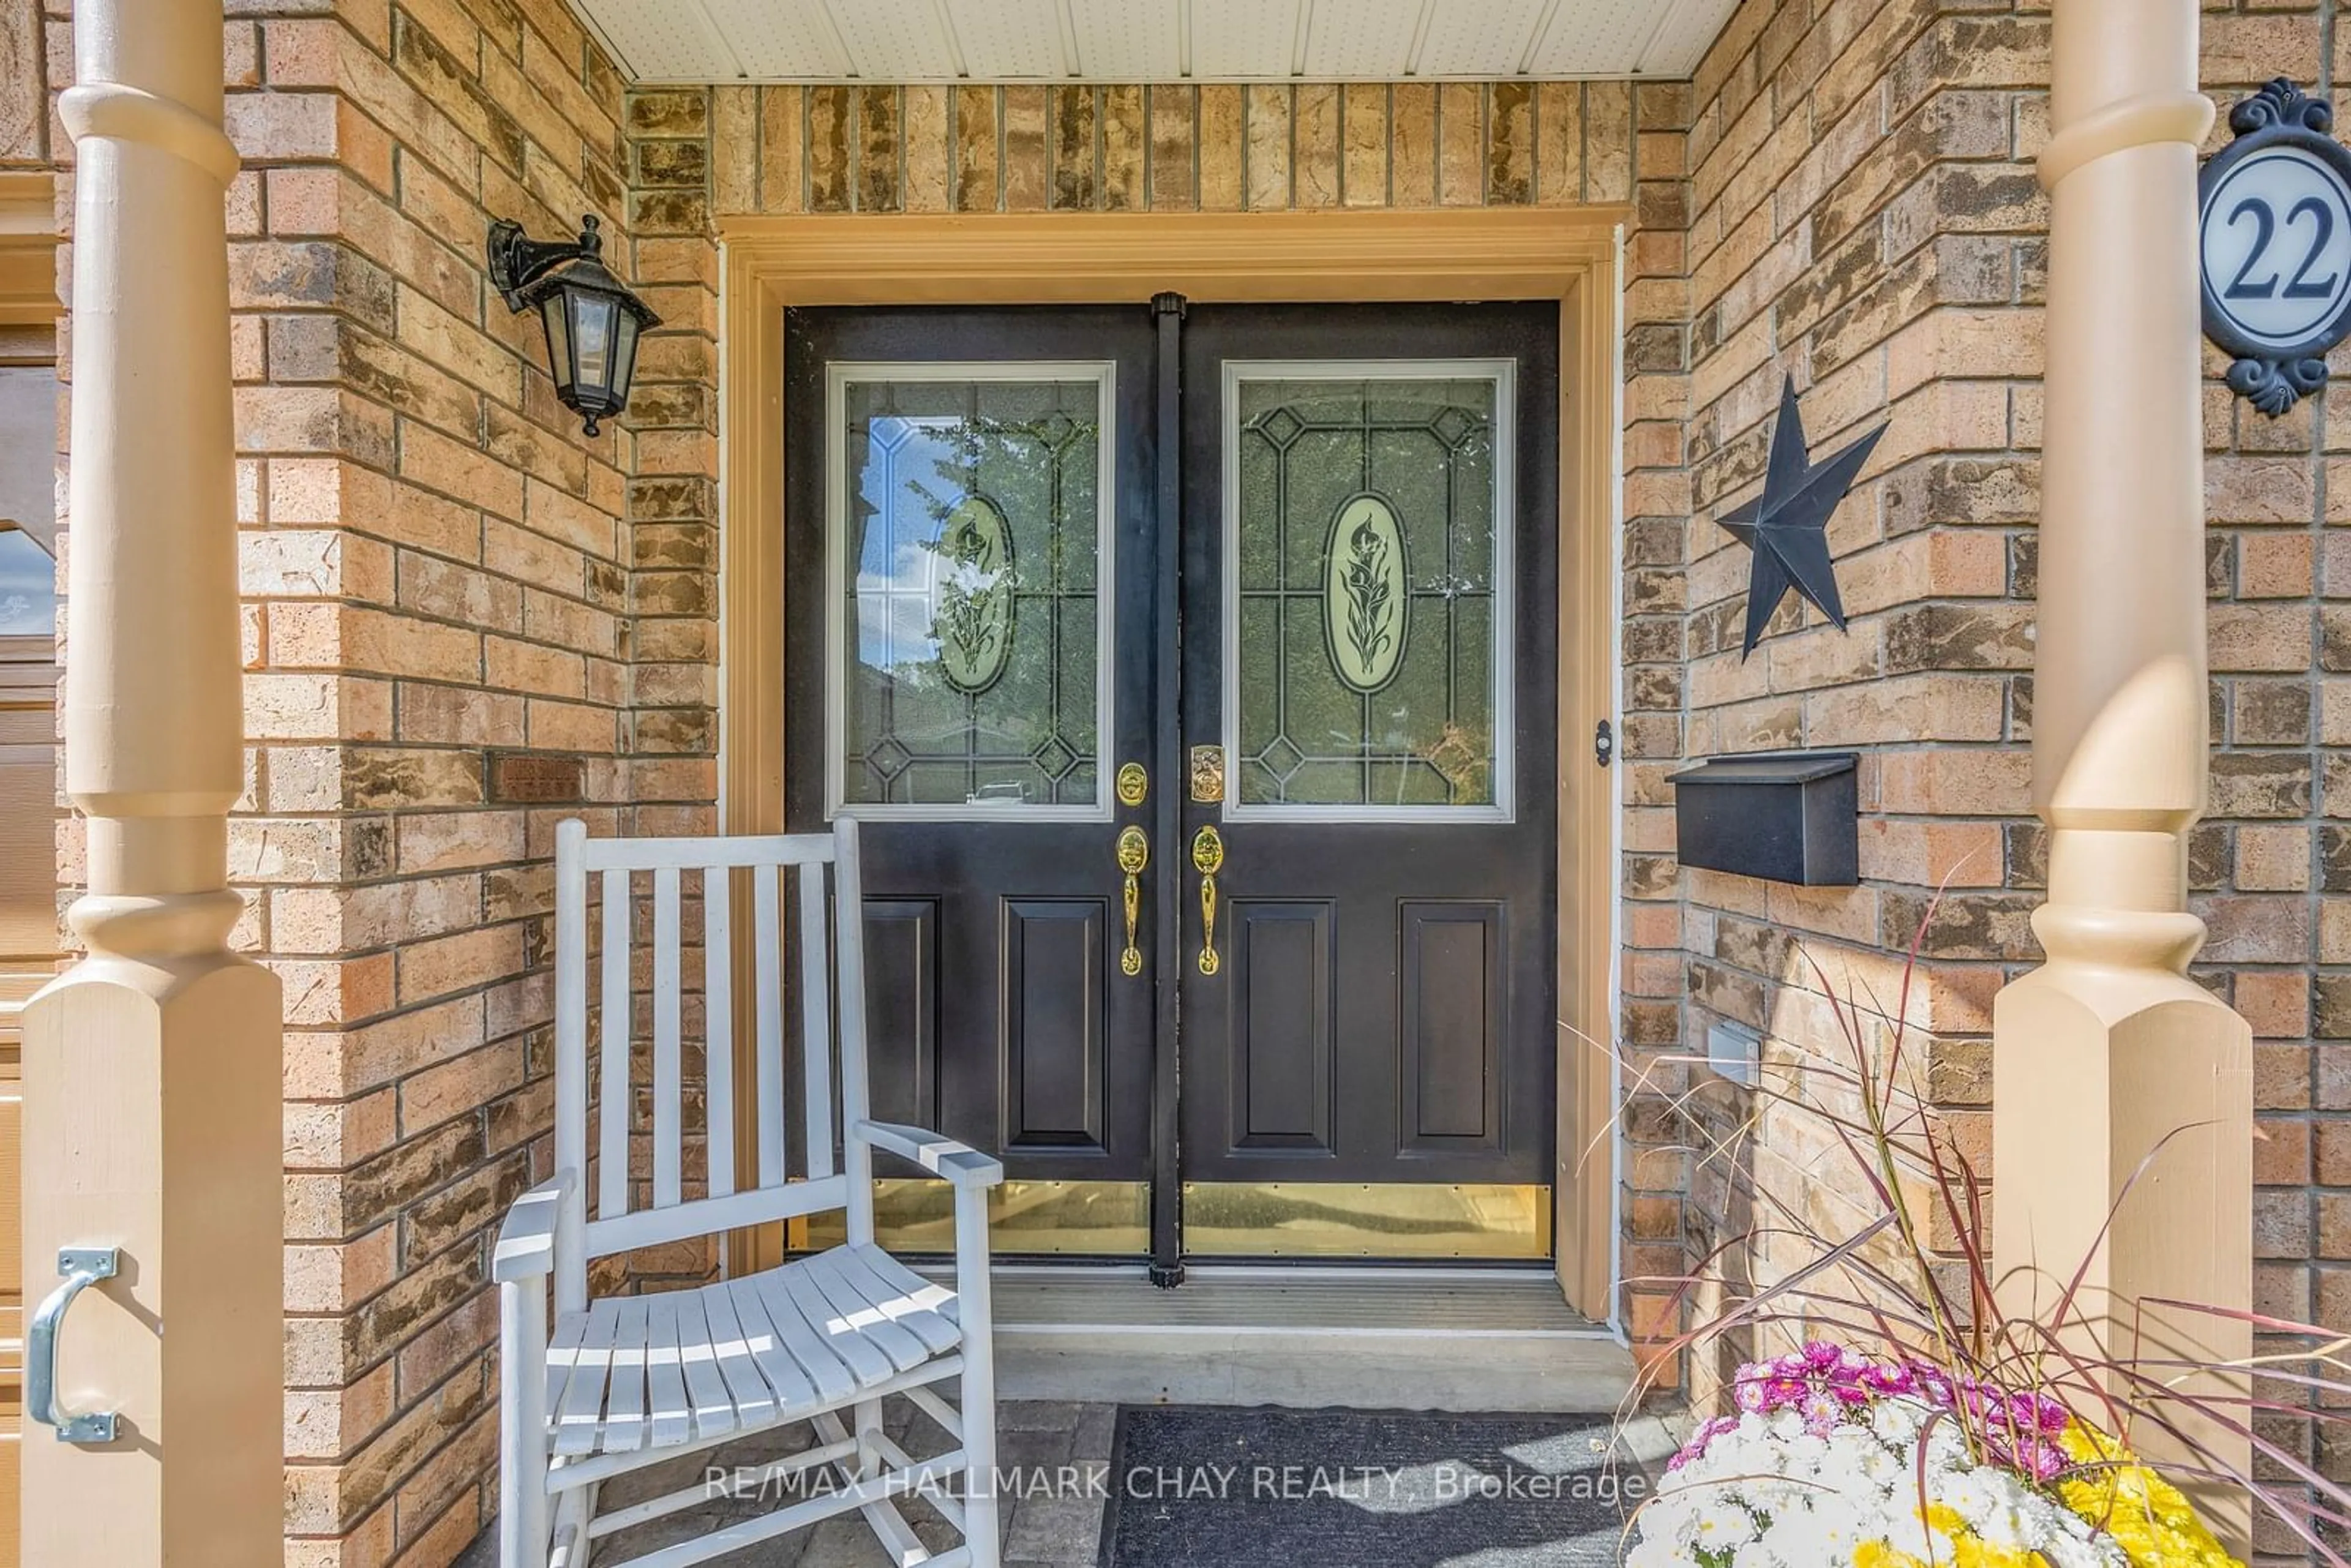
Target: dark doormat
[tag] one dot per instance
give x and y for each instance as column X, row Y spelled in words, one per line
column 1361, row 1488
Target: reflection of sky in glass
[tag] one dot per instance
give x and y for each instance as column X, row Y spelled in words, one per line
column 903, row 478
column 28, row 594
column 28, row 426
column 28, row 441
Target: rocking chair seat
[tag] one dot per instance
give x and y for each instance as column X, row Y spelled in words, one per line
column 684, row 1367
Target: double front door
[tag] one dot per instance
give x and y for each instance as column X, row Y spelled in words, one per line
column 1192, row 671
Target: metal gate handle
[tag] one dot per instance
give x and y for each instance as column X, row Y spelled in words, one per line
column 82, row 1268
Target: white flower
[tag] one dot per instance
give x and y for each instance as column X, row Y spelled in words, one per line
column 1796, row 1536
column 1769, row 1493
column 1841, row 1524
column 1720, row 1524
column 1896, row 1420
column 1651, row 1552
column 1970, row 1495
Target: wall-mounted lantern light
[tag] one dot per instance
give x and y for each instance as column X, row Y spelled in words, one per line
column 592, row 320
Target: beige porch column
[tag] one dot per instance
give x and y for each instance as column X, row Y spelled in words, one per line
column 151, row 1080
column 2108, row 1048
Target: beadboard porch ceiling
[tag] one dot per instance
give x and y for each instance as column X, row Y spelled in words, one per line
column 1151, row 40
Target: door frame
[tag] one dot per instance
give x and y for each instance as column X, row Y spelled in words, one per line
column 767, row 264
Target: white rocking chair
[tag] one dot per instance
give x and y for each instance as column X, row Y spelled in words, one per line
column 629, row 1381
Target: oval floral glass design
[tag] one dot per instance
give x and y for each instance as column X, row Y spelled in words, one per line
column 973, row 621
column 1366, row 604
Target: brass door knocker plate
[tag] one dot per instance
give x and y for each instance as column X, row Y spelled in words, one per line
column 1134, row 854
column 1208, row 775
column 1133, row 784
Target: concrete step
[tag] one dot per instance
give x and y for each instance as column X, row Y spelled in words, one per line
column 1365, row 1339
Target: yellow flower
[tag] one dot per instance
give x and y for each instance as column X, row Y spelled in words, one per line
column 1967, row 1551
column 2146, row 1514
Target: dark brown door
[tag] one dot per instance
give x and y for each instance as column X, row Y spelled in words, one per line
column 1369, row 636
column 971, row 657
column 1036, row 555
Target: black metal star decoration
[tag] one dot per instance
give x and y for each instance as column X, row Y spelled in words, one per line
column 1787, row 526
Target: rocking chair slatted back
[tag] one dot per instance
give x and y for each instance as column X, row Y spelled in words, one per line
column 832, row 959
column 815, row 1024
column 718, row 1030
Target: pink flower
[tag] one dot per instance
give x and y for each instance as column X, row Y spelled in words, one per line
column 1889, row 1380
column 1826, row 1383
column 1706, row 1433
column 1935, row 1385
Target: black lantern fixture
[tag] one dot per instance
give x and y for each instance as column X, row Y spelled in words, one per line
column 592, row 320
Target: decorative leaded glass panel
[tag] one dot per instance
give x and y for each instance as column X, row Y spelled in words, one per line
column 969, row 518
column 1367, row 588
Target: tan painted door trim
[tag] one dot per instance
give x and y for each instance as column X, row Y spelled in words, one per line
column 28, row 244
column 1565, row 254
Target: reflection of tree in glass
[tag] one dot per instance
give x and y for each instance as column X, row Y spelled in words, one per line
column 973, row 604
column 977, row 443
column 978, row 571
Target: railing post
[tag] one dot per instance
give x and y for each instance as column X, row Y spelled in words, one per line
column 152, row 1068
column 2108, row 1048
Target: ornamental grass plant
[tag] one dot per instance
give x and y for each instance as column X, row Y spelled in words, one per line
column 1923, row 1411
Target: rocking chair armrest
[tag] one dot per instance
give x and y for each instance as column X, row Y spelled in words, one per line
column 959, row 1163
column 526, row 1249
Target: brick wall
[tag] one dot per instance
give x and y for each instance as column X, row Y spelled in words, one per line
column 1863, row 215
column 887, row 149
column 24, row 87
column 2272, row 864
column 438, row 574
column 437, row 561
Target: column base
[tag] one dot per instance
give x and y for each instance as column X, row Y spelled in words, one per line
column 2093, row 1070
column 153, row 1123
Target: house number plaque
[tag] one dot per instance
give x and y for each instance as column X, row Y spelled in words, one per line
column 2273, row 227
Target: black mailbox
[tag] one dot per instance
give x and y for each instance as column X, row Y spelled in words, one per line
column 1784, row 816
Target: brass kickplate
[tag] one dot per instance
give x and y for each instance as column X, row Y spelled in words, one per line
column 1207, row 774
column 916, row 1214
column 1367, row 1219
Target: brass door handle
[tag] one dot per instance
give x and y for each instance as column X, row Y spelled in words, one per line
column 1134, row 854
column 1207, row 858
